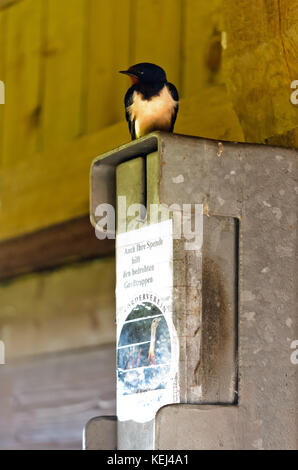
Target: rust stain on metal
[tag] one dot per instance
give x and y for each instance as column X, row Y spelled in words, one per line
column 220, row 149
column 196, row 373
column 197, row 330
column 215, row 325
column 206, row 209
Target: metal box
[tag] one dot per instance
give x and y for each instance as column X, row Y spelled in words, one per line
column 233, row 296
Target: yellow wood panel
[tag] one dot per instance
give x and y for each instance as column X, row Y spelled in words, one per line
column 22, row 79
column 288, row 139
column 63, row 70
column 209, row 114
column 202, row 45
column 53, row 186
column 289, row 34
column 260, row 62
column 6, row 3
column 156, row 35
column 3, row 15
column 107, row 52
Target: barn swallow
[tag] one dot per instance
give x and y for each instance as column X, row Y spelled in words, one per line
column 151, row 103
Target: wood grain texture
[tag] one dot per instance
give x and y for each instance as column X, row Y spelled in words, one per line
column 46, row 402
column 21, row 64
column 108, row 51
column 233, row 62
column 202, row 50
column 63, row 71
column 156, row 35
column 3, row 21
column 67, row 308
column 56, row 187
column 260, row 62
column 71, row 241
column 7, row 3
column 56, row 184
column 210, row 114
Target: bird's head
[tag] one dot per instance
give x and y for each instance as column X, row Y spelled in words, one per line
column 155, row 323
column 146, row 73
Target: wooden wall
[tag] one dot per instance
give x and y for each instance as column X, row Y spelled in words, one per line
column 68, row 308
column 58, row 328
column 46, row 401
column 233, row 62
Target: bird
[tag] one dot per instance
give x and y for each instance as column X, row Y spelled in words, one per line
column 151, row 103
column 151, row 354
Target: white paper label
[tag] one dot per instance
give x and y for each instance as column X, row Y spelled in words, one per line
column 147, row 344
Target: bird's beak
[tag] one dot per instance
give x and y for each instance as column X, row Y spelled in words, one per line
column 133, row 77
column 127, row 72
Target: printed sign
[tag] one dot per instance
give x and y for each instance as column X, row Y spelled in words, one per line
column 147, row 345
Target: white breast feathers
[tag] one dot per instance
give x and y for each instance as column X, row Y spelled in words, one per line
column 152, row 115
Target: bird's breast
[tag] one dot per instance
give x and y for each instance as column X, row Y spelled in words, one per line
column 153, row 114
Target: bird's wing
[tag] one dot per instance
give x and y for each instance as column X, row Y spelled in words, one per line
column 175, row 96
column 128, row 101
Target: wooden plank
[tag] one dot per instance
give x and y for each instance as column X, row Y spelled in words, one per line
column 288, row 139
column 22, row 79
column 71, row 241
column 262, row 45
column 46, row 402
column 3, row 16
column 202, row 45
column 7, row 3
column 108, row 50
column 209, row 114
column 56, row 186
column 57, row 310
column 156, row 35
column 63, row 70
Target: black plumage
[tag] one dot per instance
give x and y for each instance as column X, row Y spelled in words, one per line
column 151, row 103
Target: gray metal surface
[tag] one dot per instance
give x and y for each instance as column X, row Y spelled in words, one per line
column 205, row 314
column 201, row 427
column 218, row 367
column 103, row 171
column 100, row 434
column 244, row 341
column 257, row 185
column 136, row 436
